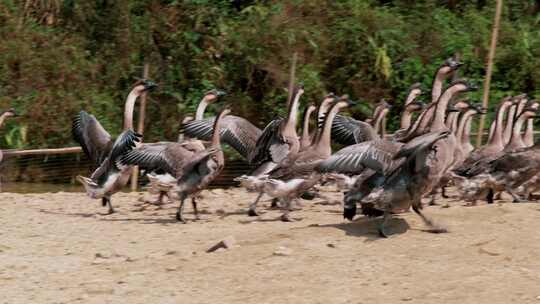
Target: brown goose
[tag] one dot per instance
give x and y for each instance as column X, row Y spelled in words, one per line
column 422, row 123
column 295, row 175
column 486, row 178
column 448, row 149
column 264, row 168
column 494, row 146
column 192, row 170
column 520, row 102
column 235, row 131
column 163, row 183
column 516, row 139
column 3, row 117
column 98, row 146
column 403, row 186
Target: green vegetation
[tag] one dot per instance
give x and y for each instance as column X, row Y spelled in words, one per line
column 60, row 56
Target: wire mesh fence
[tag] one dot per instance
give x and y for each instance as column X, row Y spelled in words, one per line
column 60, row 169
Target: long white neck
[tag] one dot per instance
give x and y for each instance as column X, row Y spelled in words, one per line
column 509, row 124
column 129, row 108
column 497, row 138
column 464, row 121
column 436, row 89
column 440, row 111
column 201, row 108
column 515, row 139
column 406, row 118
column 2, row 119
column 528, row 137
column 323, row 143
column 290, row 124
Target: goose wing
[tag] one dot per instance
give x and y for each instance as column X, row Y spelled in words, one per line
column 298, row 165
column 169, row 157
column 270, row 146
column 122, row 145
column 349, row 131
column 235, row 131
column 377, row 155
column 92, row 137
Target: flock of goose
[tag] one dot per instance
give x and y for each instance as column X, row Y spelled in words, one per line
column 379, row 174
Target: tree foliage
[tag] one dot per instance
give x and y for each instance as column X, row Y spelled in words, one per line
column 61, row 56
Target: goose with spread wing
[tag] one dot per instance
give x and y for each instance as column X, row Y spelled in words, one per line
column 104, row 152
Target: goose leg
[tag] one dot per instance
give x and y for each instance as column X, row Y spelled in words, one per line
column 253, row 206
column 107, row 201
column 159, row 201
column 180, row 209
column 381, row 228
column 443, row 192
column 274, row 203
column 427, row 221
column 285, row 216
column 194, row 203
column 517, row 198
column 490, row 196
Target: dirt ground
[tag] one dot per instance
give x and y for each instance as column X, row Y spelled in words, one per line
column 61, row 248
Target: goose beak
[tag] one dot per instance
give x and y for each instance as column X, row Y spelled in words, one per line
column 471, row 86
column 149, row 85
column 351, row 102
column 220, row 93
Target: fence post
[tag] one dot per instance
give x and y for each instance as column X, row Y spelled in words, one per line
column 140, row 128
column 489, row 70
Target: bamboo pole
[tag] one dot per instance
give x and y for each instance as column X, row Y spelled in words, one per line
column 68, row 150
column 140, row 128
column 292, row 76
column 489, row 70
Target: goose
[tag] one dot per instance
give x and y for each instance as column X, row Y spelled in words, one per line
column 192, row 170
column 403, row 186
column 422, row 123
column 99, row 147
column 295, row 174
column 461, row 132
column 486, row 178
column 494, row 146
column 374, row 158
column 520, row 102
column 270, row 165
column 516, row 139
column 448, row 150
column 163, row 183
column 3, row 116
column 235, row 131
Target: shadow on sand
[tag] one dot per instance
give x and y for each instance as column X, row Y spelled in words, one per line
column 367, row 227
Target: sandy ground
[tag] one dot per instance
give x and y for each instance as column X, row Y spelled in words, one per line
column 60, row 248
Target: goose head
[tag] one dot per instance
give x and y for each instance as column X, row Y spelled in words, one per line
column 187, row 119
column 9, row 113
column 213, row 95
column 463, row 86
column 143, row 85
column 479, row 108
column 415, row 91
column 414, row 106
column 450, row 65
